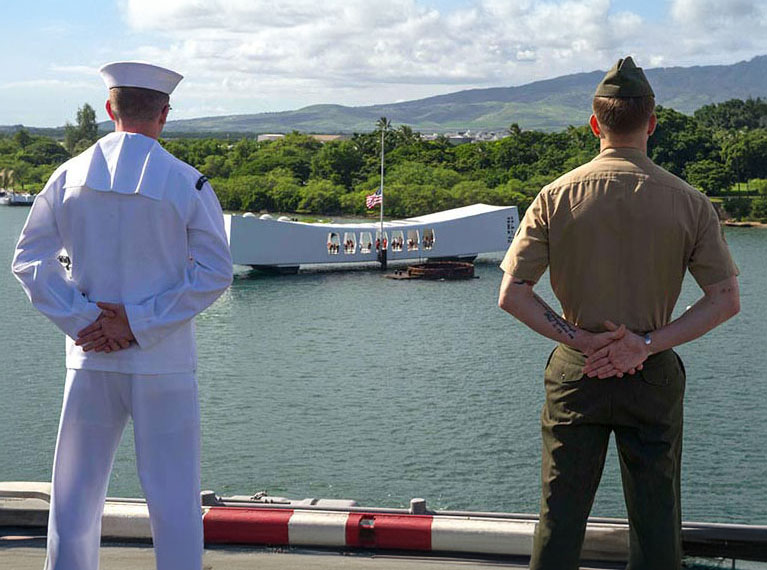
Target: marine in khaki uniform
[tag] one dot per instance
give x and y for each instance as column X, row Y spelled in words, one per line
column 618, row 235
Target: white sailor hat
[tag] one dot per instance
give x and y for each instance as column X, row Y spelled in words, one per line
column 140, row 74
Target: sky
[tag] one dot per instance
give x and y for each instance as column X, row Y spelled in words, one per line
column 253, row 56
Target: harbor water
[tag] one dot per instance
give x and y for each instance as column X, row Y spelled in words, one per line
column 342, row 384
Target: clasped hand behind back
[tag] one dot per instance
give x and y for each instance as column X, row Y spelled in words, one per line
column 622, row 355
column 110, row 332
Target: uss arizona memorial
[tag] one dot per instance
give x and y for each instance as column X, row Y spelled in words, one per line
column 284, row 245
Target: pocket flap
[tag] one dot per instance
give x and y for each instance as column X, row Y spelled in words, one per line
column 563, row 371
column 660, row 370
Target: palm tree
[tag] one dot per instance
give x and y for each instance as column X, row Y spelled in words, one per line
column 383, row 124
column 406, row 134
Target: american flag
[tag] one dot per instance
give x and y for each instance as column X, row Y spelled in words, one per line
column 373, row 200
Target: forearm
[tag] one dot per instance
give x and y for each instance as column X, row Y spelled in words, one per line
column 519, row 300
column 720, row 302
column 159, row 316
column 55, row 296
column 35, row 264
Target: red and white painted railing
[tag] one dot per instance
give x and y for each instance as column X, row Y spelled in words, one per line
column 386, row 531
column 342, row 524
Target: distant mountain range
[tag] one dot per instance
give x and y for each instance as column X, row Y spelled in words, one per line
column 548, row 105
column 552, row 104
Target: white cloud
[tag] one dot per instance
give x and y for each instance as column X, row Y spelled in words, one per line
column 717, row 14
column 258, row 55
column 708, row 28
column 358, row 51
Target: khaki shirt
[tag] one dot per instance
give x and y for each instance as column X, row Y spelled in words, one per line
column 618, row 234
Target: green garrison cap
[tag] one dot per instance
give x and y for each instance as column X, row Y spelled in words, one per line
column 624, row 79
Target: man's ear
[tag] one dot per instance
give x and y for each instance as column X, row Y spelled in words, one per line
column 164, row 114
column 594, row 124
column 109, row 110
column 652, row 125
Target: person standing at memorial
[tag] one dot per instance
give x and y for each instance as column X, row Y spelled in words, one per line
column 145, row 236
column 618, row 235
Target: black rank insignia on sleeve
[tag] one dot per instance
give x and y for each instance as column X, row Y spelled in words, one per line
column 201, row 182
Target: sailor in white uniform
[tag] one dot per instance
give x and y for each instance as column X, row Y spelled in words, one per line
column 148, row 249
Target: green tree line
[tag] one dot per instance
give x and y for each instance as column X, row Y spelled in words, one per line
column 721, row 150
column 27, row 161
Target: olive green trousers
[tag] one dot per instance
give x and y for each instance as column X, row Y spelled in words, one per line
column 644, row 411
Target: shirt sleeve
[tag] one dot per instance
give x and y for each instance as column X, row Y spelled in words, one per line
column 207, row 276
column 710, row 261
column 44, row 279
column 528, row 255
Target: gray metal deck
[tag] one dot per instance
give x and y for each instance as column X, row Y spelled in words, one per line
column 22, row 550
column 29, row 554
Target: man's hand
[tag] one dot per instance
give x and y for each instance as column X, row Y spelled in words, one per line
column 109, row 333
column 592, row 342
column 92, row 332
column 624, row 355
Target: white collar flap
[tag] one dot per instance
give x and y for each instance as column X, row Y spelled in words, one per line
column 126, row 163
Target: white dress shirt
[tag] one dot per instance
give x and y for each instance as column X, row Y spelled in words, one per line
column 138, row 232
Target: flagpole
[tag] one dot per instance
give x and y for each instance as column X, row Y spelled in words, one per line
column 383, row 249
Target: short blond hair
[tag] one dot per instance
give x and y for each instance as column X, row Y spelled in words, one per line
column 623, row 115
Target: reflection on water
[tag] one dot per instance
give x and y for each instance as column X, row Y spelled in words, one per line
column 340, row 383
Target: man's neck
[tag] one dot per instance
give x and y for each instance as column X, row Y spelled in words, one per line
column 147, row 129
column 618, row 142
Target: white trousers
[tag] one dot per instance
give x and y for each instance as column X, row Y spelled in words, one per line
column 166, row 422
